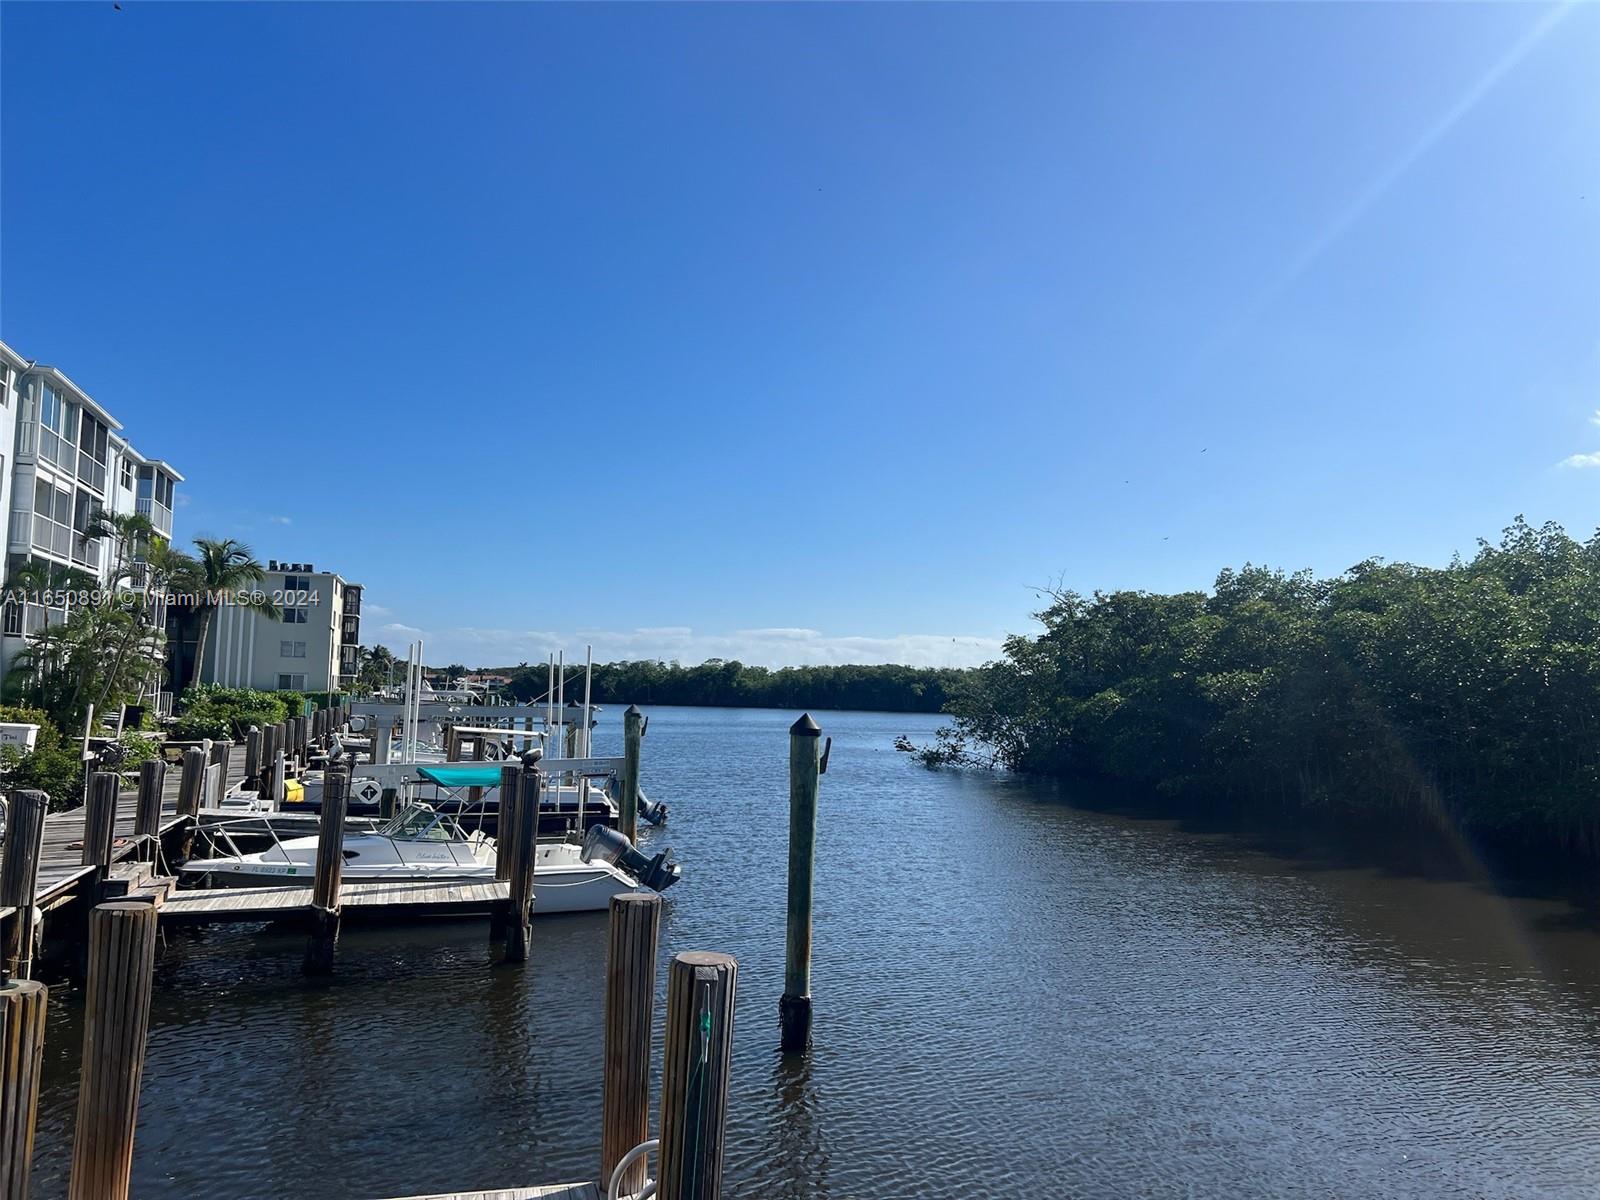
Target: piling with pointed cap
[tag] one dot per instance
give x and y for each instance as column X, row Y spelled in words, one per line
column 794, row 1009
column 122, row 946
column 19, row 878
column 632, row 736
column 696, row 1069
column 630, row 1009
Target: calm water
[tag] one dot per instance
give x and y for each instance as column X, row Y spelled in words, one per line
column 1014, row 998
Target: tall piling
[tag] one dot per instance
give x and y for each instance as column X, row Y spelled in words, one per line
column 329, row 875
column 519, row 910
column 794, row 1008
column 632, row 738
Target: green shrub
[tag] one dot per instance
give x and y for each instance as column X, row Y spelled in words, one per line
column 196, row 726
column 49, row 737
column 55, row 770
column 211, row 711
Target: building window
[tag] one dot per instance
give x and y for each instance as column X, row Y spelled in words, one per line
column 291, row 649
column 127, row 475
column 13, row 618
column 5, row 384
column 294, row 616
column 297, row 583
column 292, row 683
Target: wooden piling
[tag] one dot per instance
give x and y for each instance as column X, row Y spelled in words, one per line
column 22, row 1013
column 630, row 1009
column 147, row 811
column 252, row 757
column 100, row 819
column 519, row 925
column 269, row 752
column 122, row 945
column 506, row 819
column 794, row 1008
column 191, row 787
column 329, row 873
column 19, row 879
column 632, row 737
column 696, row 1069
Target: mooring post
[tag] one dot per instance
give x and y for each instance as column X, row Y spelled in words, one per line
column 504, row 843
column 383, row 732
column 252, row 757
column 122, row 947
column 506, row 818
column 330, row 871
column 100, row 824
column 519, row 912
column 22, row 1012
column 630, row 1009
column 696, row 1069
column 805, row 759
column 192, row 784
column 263, row 777
column 19, row 879
column 632, row 737
column 147, row 811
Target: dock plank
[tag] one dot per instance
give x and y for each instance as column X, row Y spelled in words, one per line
column 561, row 1191
column 356, row 900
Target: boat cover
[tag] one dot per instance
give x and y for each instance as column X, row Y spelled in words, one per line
column 458, row 775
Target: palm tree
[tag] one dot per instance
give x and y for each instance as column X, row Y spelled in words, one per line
column 225, row 571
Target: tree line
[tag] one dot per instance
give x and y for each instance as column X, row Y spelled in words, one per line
column 1467, row 696
column 732, row 684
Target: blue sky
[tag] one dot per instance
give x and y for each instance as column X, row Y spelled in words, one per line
column 815, row 333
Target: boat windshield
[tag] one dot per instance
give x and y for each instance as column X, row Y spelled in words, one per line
column 420, row 823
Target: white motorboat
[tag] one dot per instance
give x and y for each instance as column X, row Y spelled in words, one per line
column 419, row 844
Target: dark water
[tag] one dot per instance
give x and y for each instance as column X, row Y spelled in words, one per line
column 1014, row 998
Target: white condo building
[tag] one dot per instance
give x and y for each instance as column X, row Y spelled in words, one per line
column 311, row 647
column 63, row 458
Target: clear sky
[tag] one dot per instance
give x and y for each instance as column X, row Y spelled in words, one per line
column 815, row 333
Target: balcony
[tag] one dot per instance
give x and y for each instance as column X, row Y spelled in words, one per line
column 350, row 631
column 159, row 514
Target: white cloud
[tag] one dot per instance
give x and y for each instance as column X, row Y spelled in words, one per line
column 377, row 610
column 1595, row 420
column 181, row 500
column 757, row 647
column 280, row 520
column 1579, row 461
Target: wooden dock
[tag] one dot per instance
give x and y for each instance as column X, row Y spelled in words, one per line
column 390, row 900
column 61, row 868
column 562, row 1191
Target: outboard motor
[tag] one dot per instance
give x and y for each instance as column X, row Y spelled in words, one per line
column 655, row 813
column 603, row 844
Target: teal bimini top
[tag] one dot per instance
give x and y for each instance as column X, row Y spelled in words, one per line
column 457, row 775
